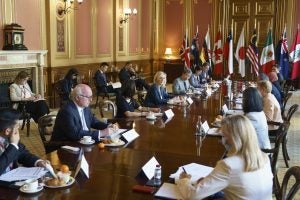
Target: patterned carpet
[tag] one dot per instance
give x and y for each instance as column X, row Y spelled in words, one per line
column 34, row 143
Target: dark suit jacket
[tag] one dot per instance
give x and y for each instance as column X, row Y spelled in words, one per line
column 68, row 124
column 153, row 97
column 15, row 156
column 124, row 75
column 101, row 82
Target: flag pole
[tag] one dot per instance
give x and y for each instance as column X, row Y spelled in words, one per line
column 197, row 28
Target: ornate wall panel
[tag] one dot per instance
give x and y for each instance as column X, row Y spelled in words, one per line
column 104, row 26
column 134, row 29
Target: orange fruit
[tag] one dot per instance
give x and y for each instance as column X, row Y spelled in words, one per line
column 64, row 168
column 101, row 145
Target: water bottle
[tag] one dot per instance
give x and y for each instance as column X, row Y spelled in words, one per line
column 157, row 175
column 199, row 128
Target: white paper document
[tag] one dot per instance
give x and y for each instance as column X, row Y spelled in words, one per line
column 116, row 133
column 23, row 173
column 197, row 171
column 214, row 132
column 130, row 135
column 189, row 100
column 116, row 85
column 168, row 190
column 205, row 127
column 231, row 112
column 149, row 167
column 169, row 113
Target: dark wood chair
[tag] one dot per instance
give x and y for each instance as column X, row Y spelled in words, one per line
column 292, row 172
column 274, row 152
column 45, row 127
column 108, row 105
column 286, row 119
column 284, row 101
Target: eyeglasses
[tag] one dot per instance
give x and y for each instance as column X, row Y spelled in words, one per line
column 88, row 97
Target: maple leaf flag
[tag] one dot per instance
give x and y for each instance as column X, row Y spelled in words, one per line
column 218, row 54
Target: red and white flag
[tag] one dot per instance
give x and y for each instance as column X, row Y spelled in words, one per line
column 267, row 59
column 218, row 54
column 295, row 56
column 185, row 55
column 252, row 53
column 240, row 53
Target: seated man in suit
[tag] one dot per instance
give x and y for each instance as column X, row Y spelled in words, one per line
column 12, row 152
column 101, row 81
column 75, row 119
column 157, row 94
column 181, row 84
column 204, row 76
column 195, row 79
column 127, row 72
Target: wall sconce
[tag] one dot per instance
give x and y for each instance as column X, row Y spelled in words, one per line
column 67, row 6
column 168, row 53
column 127, row 12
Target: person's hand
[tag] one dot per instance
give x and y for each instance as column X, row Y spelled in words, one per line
column 38, row 96
column 32, row 98
column 14, row 137
column 114, row 127
column 157, row 110
column 42, row 163
column 185, row 175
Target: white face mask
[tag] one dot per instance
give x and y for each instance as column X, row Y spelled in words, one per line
column 225, row 144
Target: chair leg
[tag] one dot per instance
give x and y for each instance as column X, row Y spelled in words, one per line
column 28, row 126
column 285, row 153
column 23, row 124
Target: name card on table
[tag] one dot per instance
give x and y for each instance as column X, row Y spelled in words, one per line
column 130, row 135
column 169, row 113
column 149, row 167
column 84, row 166
column 189, row 100
column 205, row 127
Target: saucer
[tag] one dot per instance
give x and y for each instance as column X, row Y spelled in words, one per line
column 151, row 118
column 40, row 187
column 86, row 143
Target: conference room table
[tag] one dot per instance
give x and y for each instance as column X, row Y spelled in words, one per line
column 114, row 171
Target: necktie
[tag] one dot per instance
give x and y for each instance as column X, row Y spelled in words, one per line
column 185, row 87
column 83, row 123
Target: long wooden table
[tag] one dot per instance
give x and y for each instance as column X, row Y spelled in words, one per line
column 113, row 171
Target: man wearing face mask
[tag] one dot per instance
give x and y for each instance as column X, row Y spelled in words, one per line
column 12, row 152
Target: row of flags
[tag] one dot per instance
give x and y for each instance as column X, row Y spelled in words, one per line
column 222, row 53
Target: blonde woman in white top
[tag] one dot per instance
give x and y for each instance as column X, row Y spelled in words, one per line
column 244, row 174
column 20, row 91
column 271, row 107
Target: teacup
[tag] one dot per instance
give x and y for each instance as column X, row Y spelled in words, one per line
column 87, row 139
column 31, row 185
column 64, row 176
column 151, row 115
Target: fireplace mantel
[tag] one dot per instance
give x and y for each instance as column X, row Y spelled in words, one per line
column 32, row 59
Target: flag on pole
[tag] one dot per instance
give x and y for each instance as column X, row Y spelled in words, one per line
column 195, row 48
column 295, row 56
column 282, row 55
column 185, row 53
column 205, row 55
column 218, row 54
column 240, row 53
column 267, row 59
column 252, row 53
column 228, row 52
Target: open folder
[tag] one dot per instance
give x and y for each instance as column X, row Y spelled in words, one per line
column 169, row 191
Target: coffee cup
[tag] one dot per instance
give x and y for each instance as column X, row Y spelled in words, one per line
column 151, row 115
column 87, row 139
column 31, row 185
column 64, row 176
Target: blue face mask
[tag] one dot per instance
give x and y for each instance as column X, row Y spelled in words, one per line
column 225, row 144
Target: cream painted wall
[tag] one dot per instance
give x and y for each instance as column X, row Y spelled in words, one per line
column 1, row 26
column 104, row 27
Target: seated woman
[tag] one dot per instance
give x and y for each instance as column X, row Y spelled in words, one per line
column 157, row 94
column 68, row 83
column 20, row 91
column 126, row 104
column 271, row 106
column 253, row 109
column 244, row 174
